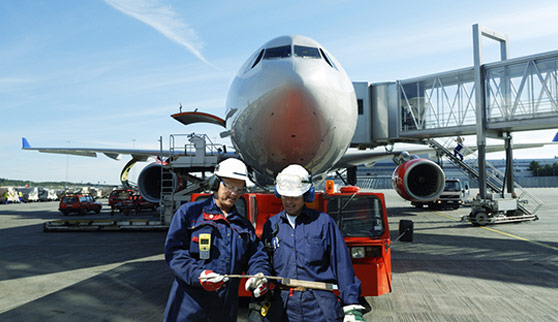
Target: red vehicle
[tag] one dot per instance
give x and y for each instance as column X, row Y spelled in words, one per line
column 116, row 196
column 129, row 200
column 362, row 218
column 81, row 204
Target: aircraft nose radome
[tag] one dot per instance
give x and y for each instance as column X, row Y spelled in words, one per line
column 293, row 129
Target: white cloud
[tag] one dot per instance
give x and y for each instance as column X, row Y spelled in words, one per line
column 17, row 81
column 163, row 19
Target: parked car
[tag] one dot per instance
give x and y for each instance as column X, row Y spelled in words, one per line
column 116, row 196
column 129, row 200
column 81, row 204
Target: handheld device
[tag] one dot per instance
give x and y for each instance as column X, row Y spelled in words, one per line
column 205, row 245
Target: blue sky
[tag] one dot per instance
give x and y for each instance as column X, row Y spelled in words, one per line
column 110, row 73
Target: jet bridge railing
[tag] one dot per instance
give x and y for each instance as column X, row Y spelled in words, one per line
column 520, row 94
column 437, row 102
column 520, row 90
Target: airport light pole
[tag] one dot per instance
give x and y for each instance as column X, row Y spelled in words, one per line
column 133, row 169
column 67, row 166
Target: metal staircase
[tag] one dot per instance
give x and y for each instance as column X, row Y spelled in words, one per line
column 526, row 202
column 200, row 155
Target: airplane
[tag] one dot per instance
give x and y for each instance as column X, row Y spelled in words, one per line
column 291, row 102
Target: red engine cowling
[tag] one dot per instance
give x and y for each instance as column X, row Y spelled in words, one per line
column 418, row 180
column 149, row 182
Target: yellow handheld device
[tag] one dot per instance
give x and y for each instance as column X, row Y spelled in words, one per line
column 205, row 245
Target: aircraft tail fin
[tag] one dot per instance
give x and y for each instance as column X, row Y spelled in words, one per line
column 25, row 144
column 555, row 138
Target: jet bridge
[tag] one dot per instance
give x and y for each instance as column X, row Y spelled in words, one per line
column 486, row 100
column 516, row 95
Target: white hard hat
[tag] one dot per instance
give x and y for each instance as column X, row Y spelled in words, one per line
column 293, row 181
column 231, row 168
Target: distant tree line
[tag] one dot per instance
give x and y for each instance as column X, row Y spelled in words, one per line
column 46, row 184
column 543, row 171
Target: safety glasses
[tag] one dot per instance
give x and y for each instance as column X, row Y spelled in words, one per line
column 239, row 190
column 292, row 182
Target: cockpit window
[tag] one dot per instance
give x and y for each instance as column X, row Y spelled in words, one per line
column 327, row 59
column 258, row 59
column 307, row 52
column 278, row 52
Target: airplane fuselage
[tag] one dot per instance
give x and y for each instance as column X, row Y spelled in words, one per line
column 291, row 102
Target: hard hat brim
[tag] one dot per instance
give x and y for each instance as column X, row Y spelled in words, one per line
column 293, row 192
column 232, row 176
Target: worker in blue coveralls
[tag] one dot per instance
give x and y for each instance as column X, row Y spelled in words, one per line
column 306, row 244
column 207, row 240
column 457, row 151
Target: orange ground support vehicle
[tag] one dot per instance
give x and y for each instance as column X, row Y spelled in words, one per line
column 362, row 218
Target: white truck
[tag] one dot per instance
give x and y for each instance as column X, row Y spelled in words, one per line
column 452, row 197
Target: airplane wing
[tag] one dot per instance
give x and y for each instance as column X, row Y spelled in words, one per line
column 357, row 158
column 115, row 154
column 140, row 155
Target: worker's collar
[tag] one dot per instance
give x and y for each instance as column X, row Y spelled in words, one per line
column 304, row 213
column 214, row 212
column 214, row 217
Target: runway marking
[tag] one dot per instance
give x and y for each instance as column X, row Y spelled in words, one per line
column 502, row 232
column 442, row 215
column 27, row 289
column 520, row 238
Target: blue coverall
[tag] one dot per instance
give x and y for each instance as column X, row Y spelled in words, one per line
column 314, row 251
column 235, row 249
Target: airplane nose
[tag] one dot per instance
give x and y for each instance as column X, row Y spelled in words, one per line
column 294, row 128
column 294, row 111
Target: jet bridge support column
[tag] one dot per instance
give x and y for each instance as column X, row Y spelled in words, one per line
column 478, row 32
column 509, row 163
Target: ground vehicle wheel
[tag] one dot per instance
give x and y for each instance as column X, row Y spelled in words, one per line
column 481, row 218
column 472, row 219
column 406, row 230
column 65, row 213
column 98, row 210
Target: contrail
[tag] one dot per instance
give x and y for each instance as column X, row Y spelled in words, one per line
column 163, row 19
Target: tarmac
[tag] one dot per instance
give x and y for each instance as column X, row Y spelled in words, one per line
column 452, row 271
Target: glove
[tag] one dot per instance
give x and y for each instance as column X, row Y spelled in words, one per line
column 353, row 313
column 257, row 285
column 212, row 281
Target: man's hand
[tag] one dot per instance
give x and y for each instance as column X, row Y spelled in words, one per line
column 212, row 281
column 257, row 285
column 353, row 313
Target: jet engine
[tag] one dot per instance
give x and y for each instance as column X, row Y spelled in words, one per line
column 149, row 182
column 418, row 180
